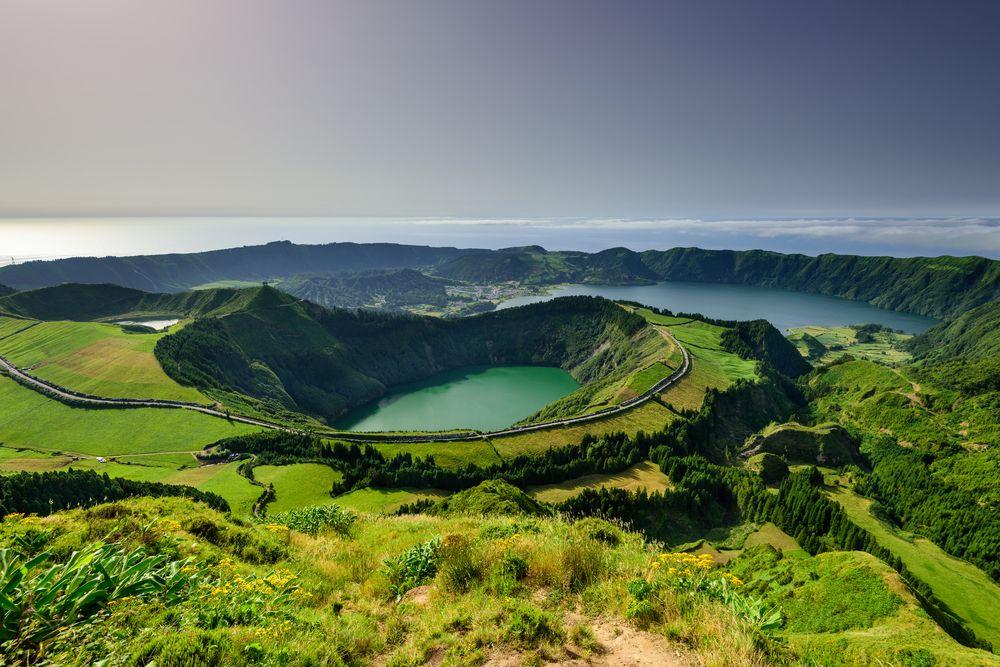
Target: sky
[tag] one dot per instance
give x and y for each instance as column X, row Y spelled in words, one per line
column 851, row 126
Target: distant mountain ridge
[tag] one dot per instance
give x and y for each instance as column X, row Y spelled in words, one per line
column 937, row 286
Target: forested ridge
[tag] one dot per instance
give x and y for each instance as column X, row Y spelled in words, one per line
column 936, row 286
column 300, row 355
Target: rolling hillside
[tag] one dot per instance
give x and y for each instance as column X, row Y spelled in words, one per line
column 299, row 355
column 935, row 286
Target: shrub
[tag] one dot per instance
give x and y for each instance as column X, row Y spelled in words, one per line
column 600, row 530
column 312, row 520
column 37, row 602
column 413, row 567
column 530, row 626
column 458, row 567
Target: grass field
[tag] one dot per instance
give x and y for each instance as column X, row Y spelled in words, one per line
column 645, row 475
column 964, row 588
column 648, row 417
column 93, row 358
column 446, row 454
column 297, row 485
column 711, row 366
column 885, row 348
column 377, row 501
column 32, row 420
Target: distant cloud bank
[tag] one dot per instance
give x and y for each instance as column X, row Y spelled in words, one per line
column 38, row 238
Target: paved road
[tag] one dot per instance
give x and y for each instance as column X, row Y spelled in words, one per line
column 73, row 397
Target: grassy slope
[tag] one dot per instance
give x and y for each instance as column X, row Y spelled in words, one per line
column 886, row 348
column 963, row 587
column 849, row 608
column 644, row 475
column 377, row 501
column 33, row 420
column 297, row 485
column 94, row 358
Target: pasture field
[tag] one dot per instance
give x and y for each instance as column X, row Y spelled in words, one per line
column 645, row 475
column 378, row 501
column 297, row 485
column 94, row 358
column 884, row 348
column 648, row 417
column 966, row 589
column 446, row 454
column 35, row 421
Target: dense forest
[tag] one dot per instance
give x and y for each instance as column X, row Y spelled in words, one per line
column 935, row 286
column 300, row 355
column 972, row 335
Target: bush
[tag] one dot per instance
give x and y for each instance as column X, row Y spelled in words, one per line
column 530, row 626
column 312, row 520
column 458, row 567
column 413, row 567
column 600, row 530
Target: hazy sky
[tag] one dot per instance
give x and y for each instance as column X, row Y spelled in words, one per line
column 693, row 110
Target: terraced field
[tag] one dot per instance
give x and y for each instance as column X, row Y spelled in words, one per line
column 92, row 358
column 884, row 347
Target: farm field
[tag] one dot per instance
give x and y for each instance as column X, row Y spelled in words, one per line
column 297, row 485
column 967, row 590
column 93, row 358
column 884, row 348
column 376, row 501
column 104, row 432
column 645, row 475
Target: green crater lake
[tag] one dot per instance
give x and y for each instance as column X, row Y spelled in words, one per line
column 485, row 398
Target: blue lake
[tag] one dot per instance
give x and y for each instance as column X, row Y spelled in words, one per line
column 783, row 308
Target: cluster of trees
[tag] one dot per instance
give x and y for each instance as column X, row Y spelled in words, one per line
column 607, row 454
column 914, row 497
column 46, row 492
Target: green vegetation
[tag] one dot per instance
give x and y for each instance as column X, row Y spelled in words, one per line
column 822, row 345
column 93, row 358
column 496, row 588
column 824, row 444
column 296, row 355
column 645, row 475
column 386, row 501
column 972, row 335
column 936, row 286
column 34, row 421
column 297, row 485
column 964, row 588
column 490, row 498
column 106, row 302
column 847, row 608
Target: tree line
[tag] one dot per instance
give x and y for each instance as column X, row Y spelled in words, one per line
column 45, row 492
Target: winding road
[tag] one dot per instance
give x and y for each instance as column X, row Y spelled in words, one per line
column 71, row 397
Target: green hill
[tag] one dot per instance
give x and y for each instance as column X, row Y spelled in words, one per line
column 4, row 290
column 758, row 339
column 972, row 335
column 303, row 356
column 390, row 290
column 89, row 302
column 175, row 272
column 935, row 286
column 826, row 444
